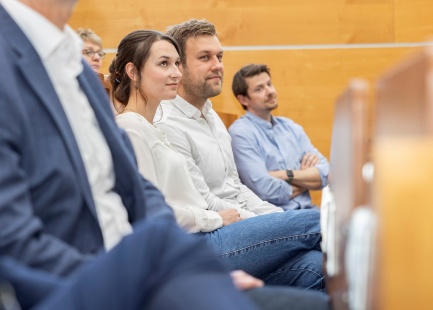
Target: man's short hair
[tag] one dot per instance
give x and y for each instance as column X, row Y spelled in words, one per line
column 191, row 28
column 87, row 35
column 239, row 85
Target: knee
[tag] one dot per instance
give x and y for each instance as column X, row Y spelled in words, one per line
column 306, row 219
column 171, row 246
column 311, row 268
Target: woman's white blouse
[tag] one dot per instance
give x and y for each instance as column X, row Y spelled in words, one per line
column 168, row 171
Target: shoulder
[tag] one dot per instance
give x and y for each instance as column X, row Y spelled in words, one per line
column 243, row 130
column 170, row 119
column 166, row 111
column 15, row 93
column 283, row 119
column 239, row 125
column 288, row 123
column 128, row 120
column 168, row 114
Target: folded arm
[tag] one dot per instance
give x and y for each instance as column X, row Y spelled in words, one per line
column 313, row 170
column 307, row 178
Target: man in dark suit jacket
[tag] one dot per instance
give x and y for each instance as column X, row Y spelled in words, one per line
column 52, row 207
column 48, row 215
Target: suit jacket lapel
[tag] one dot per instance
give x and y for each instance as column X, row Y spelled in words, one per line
column 34, row 73
column 125, row 169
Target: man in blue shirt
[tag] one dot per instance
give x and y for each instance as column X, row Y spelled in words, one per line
column 273, row 155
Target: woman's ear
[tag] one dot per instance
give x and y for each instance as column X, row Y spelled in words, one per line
column 131, row 71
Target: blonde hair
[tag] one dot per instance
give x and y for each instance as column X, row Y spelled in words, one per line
column 87, row 35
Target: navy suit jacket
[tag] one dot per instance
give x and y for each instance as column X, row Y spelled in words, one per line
column 47, row 214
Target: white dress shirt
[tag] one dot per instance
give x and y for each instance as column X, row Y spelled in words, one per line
column 60, row 52
column 159, row 163
column 206, row 145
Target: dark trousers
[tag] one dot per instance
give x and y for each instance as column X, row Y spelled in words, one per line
column 156, row 267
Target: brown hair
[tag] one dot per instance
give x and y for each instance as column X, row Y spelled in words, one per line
column 191, row 28
column 134, row 48
column 239, row 85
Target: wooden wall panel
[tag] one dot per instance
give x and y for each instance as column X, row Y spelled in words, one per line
column 413, row 20
column 241, row 22
column 277, row 22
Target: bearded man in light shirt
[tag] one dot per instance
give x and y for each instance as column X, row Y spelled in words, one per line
column 195, row 130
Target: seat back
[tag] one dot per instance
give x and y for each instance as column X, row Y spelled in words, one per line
column 402, row 196
column 346, row 184
column 405, row 97
column 227, row 118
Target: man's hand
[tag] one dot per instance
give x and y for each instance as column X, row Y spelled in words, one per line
column 296, row 190
column 229, row 216
column 244, row 281
column 309, row 160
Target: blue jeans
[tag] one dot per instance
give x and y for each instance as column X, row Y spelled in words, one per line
column 279, row 248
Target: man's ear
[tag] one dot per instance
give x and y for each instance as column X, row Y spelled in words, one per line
column 243, row 100
column 131, row 71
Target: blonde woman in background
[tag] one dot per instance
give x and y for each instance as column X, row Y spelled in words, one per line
column 92, row 48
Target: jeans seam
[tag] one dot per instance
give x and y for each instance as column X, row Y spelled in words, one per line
column 300, row 269
column 268, row 241
column 320, row 276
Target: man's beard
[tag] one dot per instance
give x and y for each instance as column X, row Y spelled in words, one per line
column 275, row 105
column 204, row 90
column 209, row 91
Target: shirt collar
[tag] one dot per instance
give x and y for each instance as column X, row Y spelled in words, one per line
column 191, row 111
column 44, row 35
column 207, row 107
column 260, row 121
